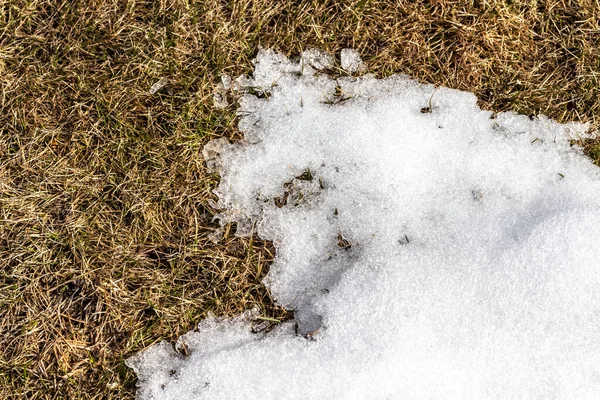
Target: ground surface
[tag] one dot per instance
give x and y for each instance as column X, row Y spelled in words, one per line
column 105, row 204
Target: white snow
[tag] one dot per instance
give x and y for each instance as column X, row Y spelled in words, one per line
column 439, row 251
column 351, row 61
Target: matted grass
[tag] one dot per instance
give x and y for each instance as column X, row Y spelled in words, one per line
column 105, row 204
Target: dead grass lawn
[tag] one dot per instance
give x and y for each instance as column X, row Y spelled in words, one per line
column 104, row 198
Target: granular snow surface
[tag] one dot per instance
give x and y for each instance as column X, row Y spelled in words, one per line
column 430, row 249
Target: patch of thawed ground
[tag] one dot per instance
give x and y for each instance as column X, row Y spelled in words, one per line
column 429, row 249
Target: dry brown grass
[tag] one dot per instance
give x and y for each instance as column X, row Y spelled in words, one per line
column 104, row 198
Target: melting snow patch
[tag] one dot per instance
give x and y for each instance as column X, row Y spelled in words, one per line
column 351, row 61
column 430, row 249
